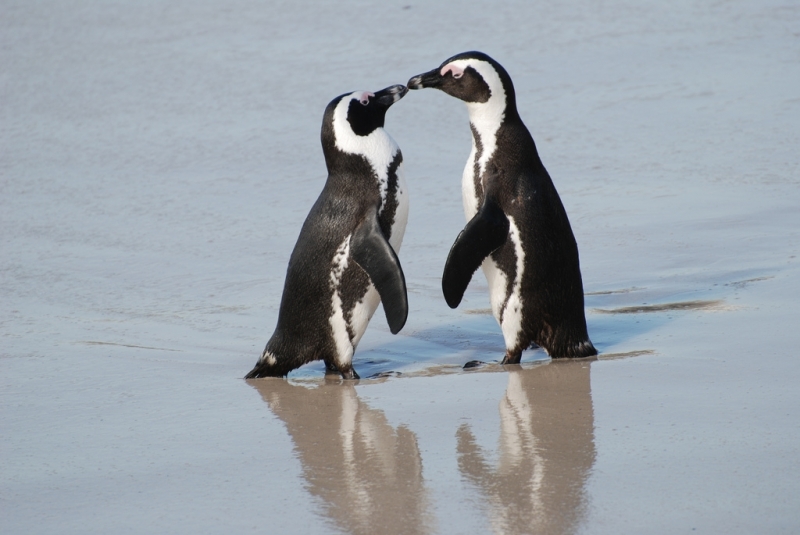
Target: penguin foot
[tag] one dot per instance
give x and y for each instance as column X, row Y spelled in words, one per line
column 474, row 364
column 349, row 374
column 512, row 358
column 332, row 371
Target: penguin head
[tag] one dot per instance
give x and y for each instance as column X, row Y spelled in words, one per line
column 363, row 111
column 353, row 120
column 473, row 77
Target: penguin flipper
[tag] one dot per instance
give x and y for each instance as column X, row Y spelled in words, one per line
column 485, row 232
column 372, row 251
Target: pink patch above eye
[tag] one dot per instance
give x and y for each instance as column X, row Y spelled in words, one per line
column 365, row 96
column 457, row 71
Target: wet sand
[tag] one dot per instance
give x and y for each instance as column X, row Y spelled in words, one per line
column 157, row 161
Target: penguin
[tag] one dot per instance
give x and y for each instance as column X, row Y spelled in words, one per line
column 517, row 229
column 345, row 260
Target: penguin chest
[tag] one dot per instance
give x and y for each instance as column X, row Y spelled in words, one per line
column 470, row 196
column 341, row 290
column 396, row 200
column 393, row 215
column 354, row 298
column 504, row 273
column 504, row 268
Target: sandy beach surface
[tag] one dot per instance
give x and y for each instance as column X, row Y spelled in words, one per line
column 157, row 160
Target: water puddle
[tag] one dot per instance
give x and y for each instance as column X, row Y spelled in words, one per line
column 96, row 343
column 626, row 355
column 613, row 292
column 741, row 284
column 438, row 370
column 664, row 307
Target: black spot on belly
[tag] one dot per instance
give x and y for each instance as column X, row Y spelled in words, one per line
column 352, row 289
column 506, row 260
column 476, row 171
column 389, row 208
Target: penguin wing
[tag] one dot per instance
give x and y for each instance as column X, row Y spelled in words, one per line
column 372, row 251
column 487, row 231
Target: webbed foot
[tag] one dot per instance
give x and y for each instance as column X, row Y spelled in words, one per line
column 349, row 374
column 512, row 357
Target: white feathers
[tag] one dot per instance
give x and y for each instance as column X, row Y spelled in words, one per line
column 378, row 147
column 401, row 214
column 344, row 348
column 507, row 306
column 512, row 310
column 485, row 117
column 362, row 314
column 268, row 357
column 469, row 197
column 498, row 283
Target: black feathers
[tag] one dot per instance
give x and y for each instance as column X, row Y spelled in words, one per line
column 370, row 249
column 487, row 231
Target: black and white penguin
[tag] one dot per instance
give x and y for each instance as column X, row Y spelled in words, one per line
column 345, row 260
column 518, row 230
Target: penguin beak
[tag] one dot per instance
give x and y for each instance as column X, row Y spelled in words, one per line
column 390, row 95
column 427, row 79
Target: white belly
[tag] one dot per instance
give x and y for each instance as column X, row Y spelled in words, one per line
column 365, row 309
column 401, row 215
column 468, row 194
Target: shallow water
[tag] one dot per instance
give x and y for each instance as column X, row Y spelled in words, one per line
column 157, row 161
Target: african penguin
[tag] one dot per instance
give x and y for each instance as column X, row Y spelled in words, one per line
column 518, row 230
column 344, row 262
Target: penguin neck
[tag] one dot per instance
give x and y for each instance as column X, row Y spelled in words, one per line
column 354, row 159
column 377, row 148
column 486, row 119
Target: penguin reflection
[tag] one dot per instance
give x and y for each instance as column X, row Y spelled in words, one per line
column 368, row 474
column 546, row 451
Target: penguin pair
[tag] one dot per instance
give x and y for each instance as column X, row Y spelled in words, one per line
column 345, row 262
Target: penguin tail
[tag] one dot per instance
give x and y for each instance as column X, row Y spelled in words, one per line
column 577, row 350
column 584, row 349
column 263, row 371
column 267, row 366
column 259, row 371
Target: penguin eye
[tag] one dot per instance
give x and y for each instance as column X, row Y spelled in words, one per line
column 364, row 101
column 458, row 75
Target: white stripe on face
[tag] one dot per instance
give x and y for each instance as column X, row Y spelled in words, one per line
column 378, row 147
